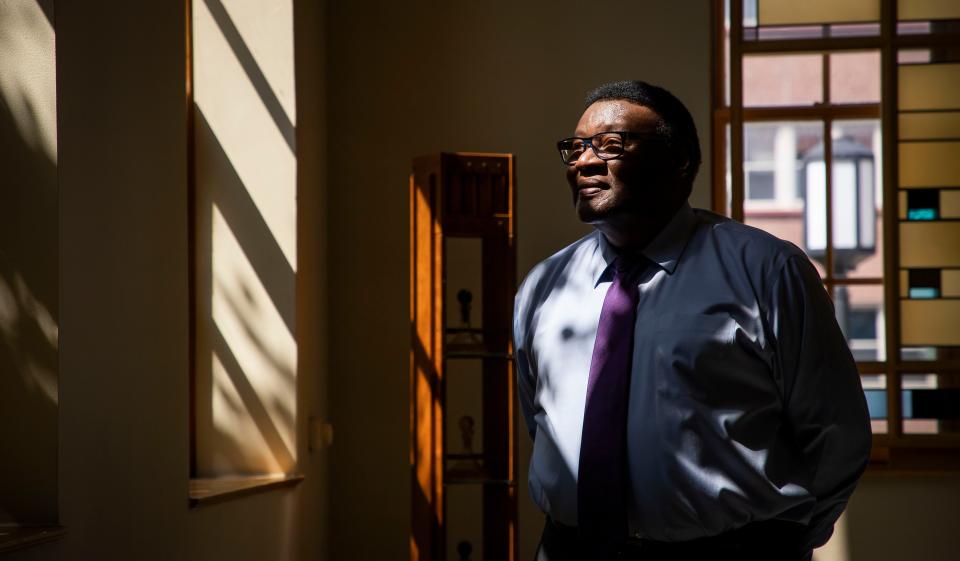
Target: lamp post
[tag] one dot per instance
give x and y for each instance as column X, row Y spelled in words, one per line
column 854, row 214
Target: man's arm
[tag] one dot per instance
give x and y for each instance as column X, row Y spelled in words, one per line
column 526, row 379
column 823, row 398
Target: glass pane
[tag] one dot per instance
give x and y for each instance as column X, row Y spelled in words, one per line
column 930, row 403
column 927, row 126
column 726, row 53
column 929, row 164
column 790, row 32
column 913, row 56
column 929, row 86
column 928, row 9
column 929, row 244
column 857, row 199
column 922, row 284
column 917, row 354
column 921, row 204
column 855, row 77
column 787, row 12
column 855, row 30
column 749, row 13
column 778, row 80
column 950, row 283
column 860, row 313
column 776, row 161
column 728, row 176
column 949, row 203
column 932, row 322
column 875, row 390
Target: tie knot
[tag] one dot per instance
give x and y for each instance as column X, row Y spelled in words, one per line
column 627, row 265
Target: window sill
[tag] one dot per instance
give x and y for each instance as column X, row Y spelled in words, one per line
column 211, row 490
column 12, row 539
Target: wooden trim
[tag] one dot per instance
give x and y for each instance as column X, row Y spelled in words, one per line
column 13, row 539
column 813, row 112
column 205, row 491
column 787, row 46
column 717, row 162
column 736, row 111
column 191, row 239
column 828, row 169
column 891, row 242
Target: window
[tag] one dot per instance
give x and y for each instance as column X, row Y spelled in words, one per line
column 836, row 127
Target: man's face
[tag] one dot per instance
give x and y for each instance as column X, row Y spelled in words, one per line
column 638, row 184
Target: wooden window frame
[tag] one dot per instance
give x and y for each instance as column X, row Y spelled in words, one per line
column 893, row 452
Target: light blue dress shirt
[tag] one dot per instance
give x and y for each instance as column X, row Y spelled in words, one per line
column 745, row 403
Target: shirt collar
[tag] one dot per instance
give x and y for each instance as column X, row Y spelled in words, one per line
column 665, row 249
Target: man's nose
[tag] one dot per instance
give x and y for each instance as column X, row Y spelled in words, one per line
column 588, row 158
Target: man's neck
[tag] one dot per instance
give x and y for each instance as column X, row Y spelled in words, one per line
column 635, row 233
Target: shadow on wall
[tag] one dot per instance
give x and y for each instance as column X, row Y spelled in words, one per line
column 28, row 310
column 246, row 384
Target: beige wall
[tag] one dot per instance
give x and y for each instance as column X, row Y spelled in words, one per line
column 123, row 442
column 415, row 78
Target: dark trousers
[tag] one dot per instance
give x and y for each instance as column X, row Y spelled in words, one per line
column 771, row 540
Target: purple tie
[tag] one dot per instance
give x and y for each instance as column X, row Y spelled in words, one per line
column 602, row 479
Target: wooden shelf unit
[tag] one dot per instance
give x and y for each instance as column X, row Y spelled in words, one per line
column 462, row 195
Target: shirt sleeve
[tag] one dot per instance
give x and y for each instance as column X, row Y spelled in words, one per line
column 825, row 408
column 526, row 377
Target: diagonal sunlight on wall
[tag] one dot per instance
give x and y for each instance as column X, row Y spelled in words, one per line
column 254, row 360
column 27, row 78
column 245, row 238
column 238, row 113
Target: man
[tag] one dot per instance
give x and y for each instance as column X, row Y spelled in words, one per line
column 686, row 386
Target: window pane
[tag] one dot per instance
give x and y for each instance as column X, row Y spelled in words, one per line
column 930, row 322
column 760, row 185
column 949, row 203
column 860, row 313
column 875, row 390
column 930, row 403
column 779, row 151
column 950, row 283
column 855, row 30
column 929, row 86
column 927, row 126
column 929, row 164
column 929, row 244
column 786, row 12
column 778, row 80
column 928, row 9
column 855, row 77
column 857, row 199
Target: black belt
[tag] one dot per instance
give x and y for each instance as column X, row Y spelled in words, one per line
column 768, row 540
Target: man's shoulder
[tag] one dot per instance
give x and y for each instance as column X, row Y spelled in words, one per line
column 560, row 261
column 746, row 241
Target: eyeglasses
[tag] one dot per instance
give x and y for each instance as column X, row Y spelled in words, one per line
column 606, row 145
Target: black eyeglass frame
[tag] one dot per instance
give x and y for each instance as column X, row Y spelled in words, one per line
column 588, row 143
